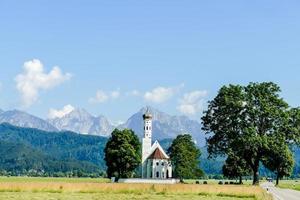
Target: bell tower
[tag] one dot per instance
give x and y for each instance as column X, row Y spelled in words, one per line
column 147, row 140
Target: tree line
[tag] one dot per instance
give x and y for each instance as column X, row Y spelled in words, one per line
column 249, row 125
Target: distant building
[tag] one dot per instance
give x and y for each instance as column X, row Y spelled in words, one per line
column 156, row 164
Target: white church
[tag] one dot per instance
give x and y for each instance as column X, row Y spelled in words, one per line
column 156, row 164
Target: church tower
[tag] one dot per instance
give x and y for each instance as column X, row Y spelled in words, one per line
column 147, row 140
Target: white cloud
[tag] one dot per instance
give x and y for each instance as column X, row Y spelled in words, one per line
column 102, row 96
column 53, row 113
column 192, row 102
column 115, row 94
column 161, row 94
column 33, row 79
column 134, row 93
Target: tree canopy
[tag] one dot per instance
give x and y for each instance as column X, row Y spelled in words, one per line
column 185, row 157
column 242, row 120
column 122, row 153
column 235, row 167
column 279, row 159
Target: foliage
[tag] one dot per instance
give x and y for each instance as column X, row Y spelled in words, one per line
column 34, row 152
column 235, row 167
column 185, row 157
column 122, row 153
column 68, row 146
column 243, row 119
column 279, row 159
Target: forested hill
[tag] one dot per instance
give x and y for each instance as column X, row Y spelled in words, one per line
column 26, row 149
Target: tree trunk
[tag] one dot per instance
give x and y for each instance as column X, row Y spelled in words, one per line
column 277, row 179
column 241, row 180
column 256, row 173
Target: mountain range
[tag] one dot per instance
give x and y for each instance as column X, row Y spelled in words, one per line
column 80, row 121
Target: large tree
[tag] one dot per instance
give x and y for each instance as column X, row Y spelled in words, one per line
column 122, row 153
column 185, row 157
column 235, row 167
column 241, row 119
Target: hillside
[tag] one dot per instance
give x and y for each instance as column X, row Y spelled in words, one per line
column 63, row 146
column 17, row 158
column 27, row 148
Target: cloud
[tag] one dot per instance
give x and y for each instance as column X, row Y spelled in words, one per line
column 115, row 94
column 161, row 94
column 33, row 79
column 135, row 93
column 192, row 102
column 102, row 96
column 53, row 113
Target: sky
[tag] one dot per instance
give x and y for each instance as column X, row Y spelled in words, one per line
column 114, row 57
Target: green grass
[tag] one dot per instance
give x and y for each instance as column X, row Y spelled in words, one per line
column 108, row 196
column 4, row 179
column 290, row 184
column 28, row 188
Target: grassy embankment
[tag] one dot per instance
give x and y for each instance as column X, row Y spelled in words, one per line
column 76, row 189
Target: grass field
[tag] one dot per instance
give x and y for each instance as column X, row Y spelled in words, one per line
column 290, row 184
column 13, row 188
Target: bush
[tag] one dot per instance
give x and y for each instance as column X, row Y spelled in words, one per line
column 220, row 183
column 226, row 183
column 197, row 182
column 205, row 182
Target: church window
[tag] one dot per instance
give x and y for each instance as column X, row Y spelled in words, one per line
column 162, row 164
column 162, row 175
column 147, row 128
column 157, row 174
column 157, row 163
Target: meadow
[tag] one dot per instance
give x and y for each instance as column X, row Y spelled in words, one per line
column 25, row 188
column 290, row 184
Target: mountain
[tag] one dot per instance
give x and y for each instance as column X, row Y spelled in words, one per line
column 23, row 119
column 165, row 126
column 80, row 121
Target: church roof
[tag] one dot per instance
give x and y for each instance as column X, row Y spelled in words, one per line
column 157, row 154
column 147, row 114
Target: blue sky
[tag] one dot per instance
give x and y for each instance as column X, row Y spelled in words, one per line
column 175, row 55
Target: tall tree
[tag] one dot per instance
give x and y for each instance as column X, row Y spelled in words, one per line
column 279, row 159
column 241, row 119
column 122, row 153
column 185, row 157
column 235, row 167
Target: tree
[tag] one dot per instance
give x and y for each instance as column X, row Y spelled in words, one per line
column 185, row 157
column 279, row 159
column 241, row 119
column 235, row 167
column 122, row 153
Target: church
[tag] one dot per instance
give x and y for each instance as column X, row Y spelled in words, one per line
column 156, row 164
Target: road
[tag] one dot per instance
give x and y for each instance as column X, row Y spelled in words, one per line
column 281, row 194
